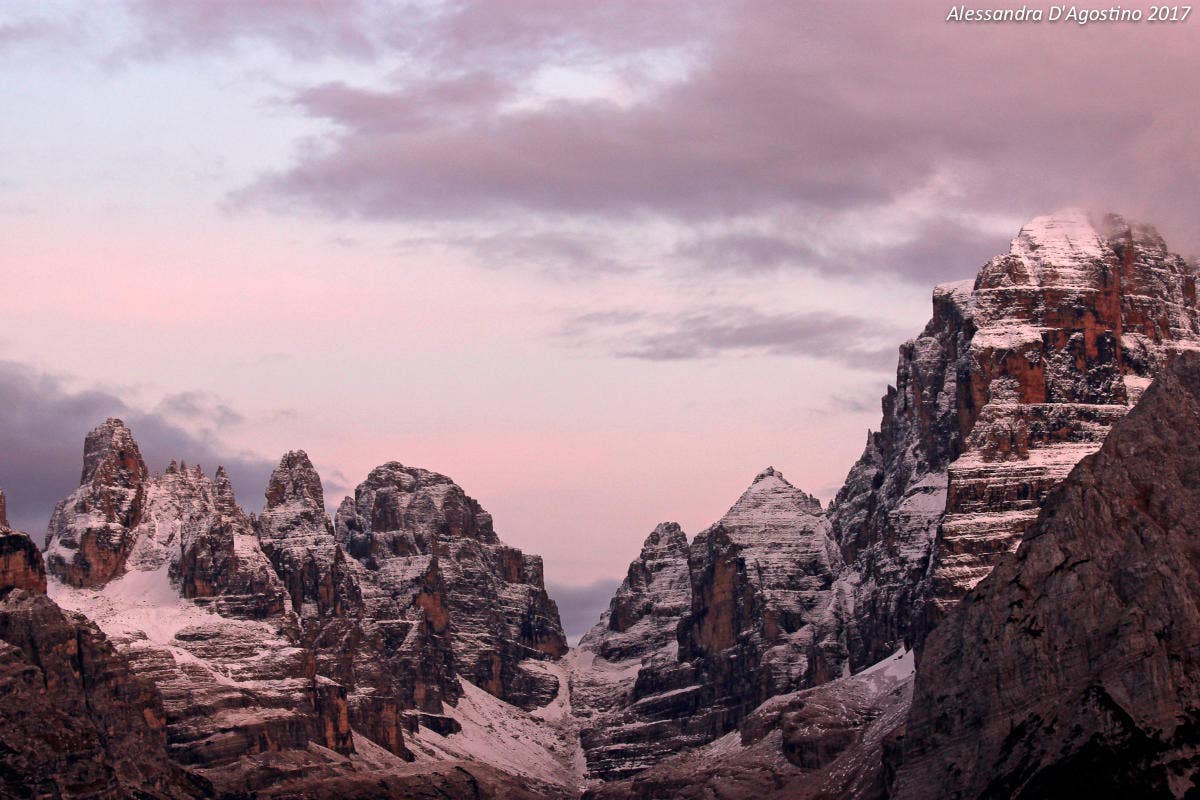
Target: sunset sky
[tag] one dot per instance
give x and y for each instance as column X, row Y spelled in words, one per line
column 599, row 262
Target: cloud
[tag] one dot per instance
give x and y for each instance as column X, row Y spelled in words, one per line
column 516, row 35
column 920, row 251
column 822, row 108
column 561, row 254
column 43, row 423
column 580, row 606
column 851, row 341
column 309, row 27
column 198, row 408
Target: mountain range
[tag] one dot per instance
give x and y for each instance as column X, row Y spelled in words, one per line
column 999, row 602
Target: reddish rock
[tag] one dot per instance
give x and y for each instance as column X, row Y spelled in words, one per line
column 1019, row 374
column 21, row 564
column 88, row 536
column 75, row 720
column 696, row 638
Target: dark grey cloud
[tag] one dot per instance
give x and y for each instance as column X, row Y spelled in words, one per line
column 564, row 254
column 819, row 107
column 937, row 250
column 851, row 341
column 42, row 426
column 199, row 407
column 580, row 606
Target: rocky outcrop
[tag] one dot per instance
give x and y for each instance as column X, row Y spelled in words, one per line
column 887, row 513
column 460, row 603
column 1018, row 375
column 181, row 519
column 827, row 742
column 88, row 536
column 758, row 616
column 638, row 630
column 358, row 644
column 76, row 721
column 195, row 606
column 1071, row 670
column 1071, row 325
column 21, row 565
column 644, row 613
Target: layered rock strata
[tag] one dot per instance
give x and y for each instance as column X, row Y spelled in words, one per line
column 1071, row 670
column 1018, row 375
column 828, row 742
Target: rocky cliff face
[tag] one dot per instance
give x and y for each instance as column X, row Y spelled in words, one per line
column 90, row 529
column 1017, row 376
column 639, row 630
column 825, row 743
column 753, row 609
column 433, row 560
column 75, row 721
column 181, row 519
column 1071, row 670
column 196, row 607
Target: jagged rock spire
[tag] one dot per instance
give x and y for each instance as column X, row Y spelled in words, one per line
column 112, row 457
column 295, row 480
column 88, row 537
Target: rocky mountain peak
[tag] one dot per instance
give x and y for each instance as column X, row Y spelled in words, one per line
column 1018, row 375
column 770, row 496
column 3, row 511
column 295, row 480
column 223, row 497
column 1054, row 240
column 666, row 538
column 88, row 537
column 112, row 457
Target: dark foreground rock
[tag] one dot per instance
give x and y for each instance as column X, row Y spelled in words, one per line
column 1073, row 669
column 75, row 721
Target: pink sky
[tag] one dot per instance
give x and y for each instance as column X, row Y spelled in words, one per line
column 600, row 263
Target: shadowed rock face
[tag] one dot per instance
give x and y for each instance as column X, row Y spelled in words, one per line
column 752, row 607
column 75, row 721
column 826, row 742
column 1018, row 375
column 1073, row 669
